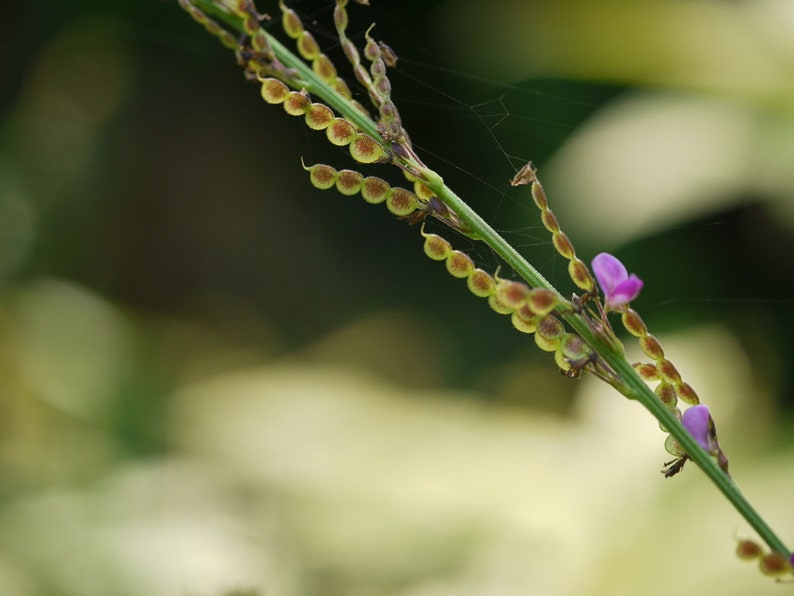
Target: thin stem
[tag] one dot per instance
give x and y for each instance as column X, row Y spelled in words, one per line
column 634, row 386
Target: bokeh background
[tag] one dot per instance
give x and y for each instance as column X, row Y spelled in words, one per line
column 215, row 379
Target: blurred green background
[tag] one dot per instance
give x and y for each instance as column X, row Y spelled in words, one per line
column 215, row 379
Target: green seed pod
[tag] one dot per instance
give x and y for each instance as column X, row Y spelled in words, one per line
column 524, row 320
column 563, row 245
column 687, row 394
column 481, row 284
column 551, row 328
column 666, row 393
column 322, row 176
column 259, row 43
column 539, row 196
column 541, row 301
column 340, row 18
column 297, row 102
column 633, row 323
column 319, row 116
column 512, row 294
column 748, row 550
column 647, row 371
column 375, row 190
column 498, row 306
column 669, row 371
column 652, row 348
column 308, row 46
column 290, row 21
column 401, row 202
column 365, row 149
column 273, row 91
column 343, row 90
column 324, row 68
column 349, row 182
column 459, row 264
column 389, row 56
column 422, row 191
column 547, row 345
column 436, row 247
column 340, row 132
column 562, row 362
column 371, row 49
column 580, row 274
column 673, row 447
column 574, row 348
column 550, row 221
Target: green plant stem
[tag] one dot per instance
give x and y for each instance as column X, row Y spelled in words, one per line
column 635, row 387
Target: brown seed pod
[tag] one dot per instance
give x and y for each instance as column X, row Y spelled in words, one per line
column 524, row 320
column 652, row 348
column 290, row 21
column 319, row 116
column 322, row 176
column 324, row 68
column 580, row 275
column 436, row 247
column 647, row 371
column 774, row 565
column 687, row 394
column 512, row 294
column 308, row 46
column 666, row 393
column 296, row 103
column 541, row 301
column 633, row 323
column 748, row 550
column 340, row 132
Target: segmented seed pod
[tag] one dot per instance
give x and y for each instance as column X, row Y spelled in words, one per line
column 774, row 565
column 325, row 69
column 647, row 371
column 318, row 116
column 459, row 264
column 308, row 47
column 365, row 149
column 296, row 103
column 349, row 182
column 481, row 284
column 687, row 394
column 652, row 348
column 673, row 447
column 321, row 176
column 549, row 333
column 666, row 393
column 498, row 306
column 633, row 323
column 436, row 247
column 511, row 294
column 375, row 190
column 748, row 550
column 524, row 320
column 401, row 202
column 273, row 91
column 290, row 21
column 227, row 39
column 541, row 301
column 341, row 132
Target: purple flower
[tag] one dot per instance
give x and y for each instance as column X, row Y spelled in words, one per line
column 618, row 286
column 697, row 420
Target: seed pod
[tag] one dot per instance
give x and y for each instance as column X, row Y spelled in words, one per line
column 652, row 348
column 273, row 91
column 401, row 202
column 341, row 132
column 324, row 68
column 459, row 264
column 524, row 320
column 319, row 116
column 511, row 294
column 297, row 102
column 673, row 447
column 538, row 195
column 647, row 371
column 563, row 245
column 422, row 191
column 633, row 323
column 290, row 21
column 748, row 550
column 436, row 247
column 498, row 306
column 365, row 149
column 580, row 275
column 687, row 394
column 575, row 349
column 669, row 371
column 343, row 90
column 550, row 221
column 774, row 565
column 340, row 18
column 541, row 301
column 375, row 190
column 321, row 176
column 666, row 393
column 481, row 284
column 549, row 333
column 308, row 46
column 349, row 182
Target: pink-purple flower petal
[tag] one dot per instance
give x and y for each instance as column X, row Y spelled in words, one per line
column 618, row 286
column 697, row 420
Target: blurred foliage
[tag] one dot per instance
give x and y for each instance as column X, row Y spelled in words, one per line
column 214, row 379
